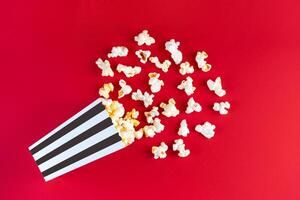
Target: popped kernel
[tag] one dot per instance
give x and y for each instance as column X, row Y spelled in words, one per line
column 216, row 86
column 151, row 114
column 170, row 109
column 146, row 97
column 183, row 129
column 105, row 67
column 192, row 106
column 106, row 89
column 187, row 86
column 143, row 55
column 144, row 38
column 125, row 89
column 206, row 129
column 129, row 71
column 172, row 47
column 160, row 151
column 180, row 147
column 186, row 68
column 164, row 66
column 154, row 82
column 119, row 51
column 222, row 107
column 201, row 62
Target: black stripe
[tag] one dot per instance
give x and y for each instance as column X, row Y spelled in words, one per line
column 85, row 153
column 79, row 138
column 78, row 121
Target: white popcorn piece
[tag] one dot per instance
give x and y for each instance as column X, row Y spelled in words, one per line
column 201, row 62
column 106, row 89
column 180, row 147
column 172, row 47
column 144, row 38
column 192, row 106
column 143, row 55
column 114, row 109
column 216, row 86
column 159, row 127
column 125, row 89
column 160, row 151
column 128, row 70
column 151, row 114
column 186, row 68
column 222, row 107
column 164, row 66
column 183, row 129
column 149, row 131
column 187, row 86
column 105, row 67
column 119, row 51
column 154, row 82
column 170, row 109
column 207, row 129
column 146, row 97
column 139, row 134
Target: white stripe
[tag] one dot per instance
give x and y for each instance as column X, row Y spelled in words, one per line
column 115, row 147
column 65, row 123
column 78, row 148
column 75, row 132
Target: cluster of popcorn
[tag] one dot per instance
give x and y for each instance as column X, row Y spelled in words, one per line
column 127, row 123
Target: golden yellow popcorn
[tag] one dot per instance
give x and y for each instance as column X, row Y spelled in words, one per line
column 106, row 89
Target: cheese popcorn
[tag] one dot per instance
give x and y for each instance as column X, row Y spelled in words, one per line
column 154, row 82
column 201, row 62
column 216, row 86
column 192, row 106
column 222, row 107
column 183, row 129
column 106, row 89
column 151, row 114
column 144, row 38
column 146, row 97
column 180, row 147
column 172, row 47
column 186, row 68
column 170, row 109
column 160, row 151
column 159, row 127
column 207, row 129
column 143, row 55
column 125, row 89
column 105, row 67
column 187, row 86
column 163, row 66
column 128, row 70
column 119, row 51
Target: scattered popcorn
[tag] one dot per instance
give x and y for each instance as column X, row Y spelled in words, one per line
column 143, row 55
column 118, row 51
column 126, row 130
column 154, row 82
column 183, row 130
column 186, row 68
column 216, row 86
column 114, row 109
column 159, row 127
column 201, row 62
column 192, row 106
column 160, row 151
column 146, row 97
column 151, row 114
column 139, row 134
column 187, row 86
column 132, row 117
column 172, row 47
column 128, row 70
column 170, row 109
column 222, row 107
column 180, row 147
column 106, row 89
column 125, row 89
column 207, row 129
column 163, row 66
column 144, row 38
column 149, row 131
column 105, row 67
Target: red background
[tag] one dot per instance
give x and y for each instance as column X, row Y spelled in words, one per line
column 48, row 50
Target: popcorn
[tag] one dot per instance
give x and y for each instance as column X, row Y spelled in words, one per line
column 154, row 82
column 186, row 68
column 216, row 86
column 170, row 109
column 139, row 134
column 163, row 66
column 172, row 47
column 105, row 67
column 143, row 55
column 151, row 114
column 126, row 130
column 180, row 147
column 160, row 151
column 106, row 89
column 144, row 38
column 187, row 86
column 222, row 107
column 159, row 127
column 207, row 129
column 183, row 130
column 149, row 131
column 120, row 51
column 146, row 97
column 114, row 108
column 201, row 62
column 128, row 70
column 192, row 106
column 132, row 117
column 125, row 89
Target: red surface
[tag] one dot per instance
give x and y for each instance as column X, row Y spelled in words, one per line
column 48, row 50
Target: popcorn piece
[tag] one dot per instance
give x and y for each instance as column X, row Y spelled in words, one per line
column 125, row 89
column 180, row 147
column 154, row 82
column 114, row 108
column 149, row 131
column 170, row 109
column 163, row 66
column 132, row 117
column 172, row 47
column 120, row 51
column 126, row 130
column 186, row 68
column 201, row 62
column 143, row 55
column 128, row 70
column 160, row 151
column 187, row 86
column 159, row 127
column 222, row 107
column 207, row 129
column 183, row 130
column 105, row 67
column 192, row 106
column 139, row 134
column 216, row 86
column 106, row 89
column 151, row 114
column 144, row 38
column 146, row 97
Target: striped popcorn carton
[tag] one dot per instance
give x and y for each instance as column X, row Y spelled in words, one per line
column 84, row 138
